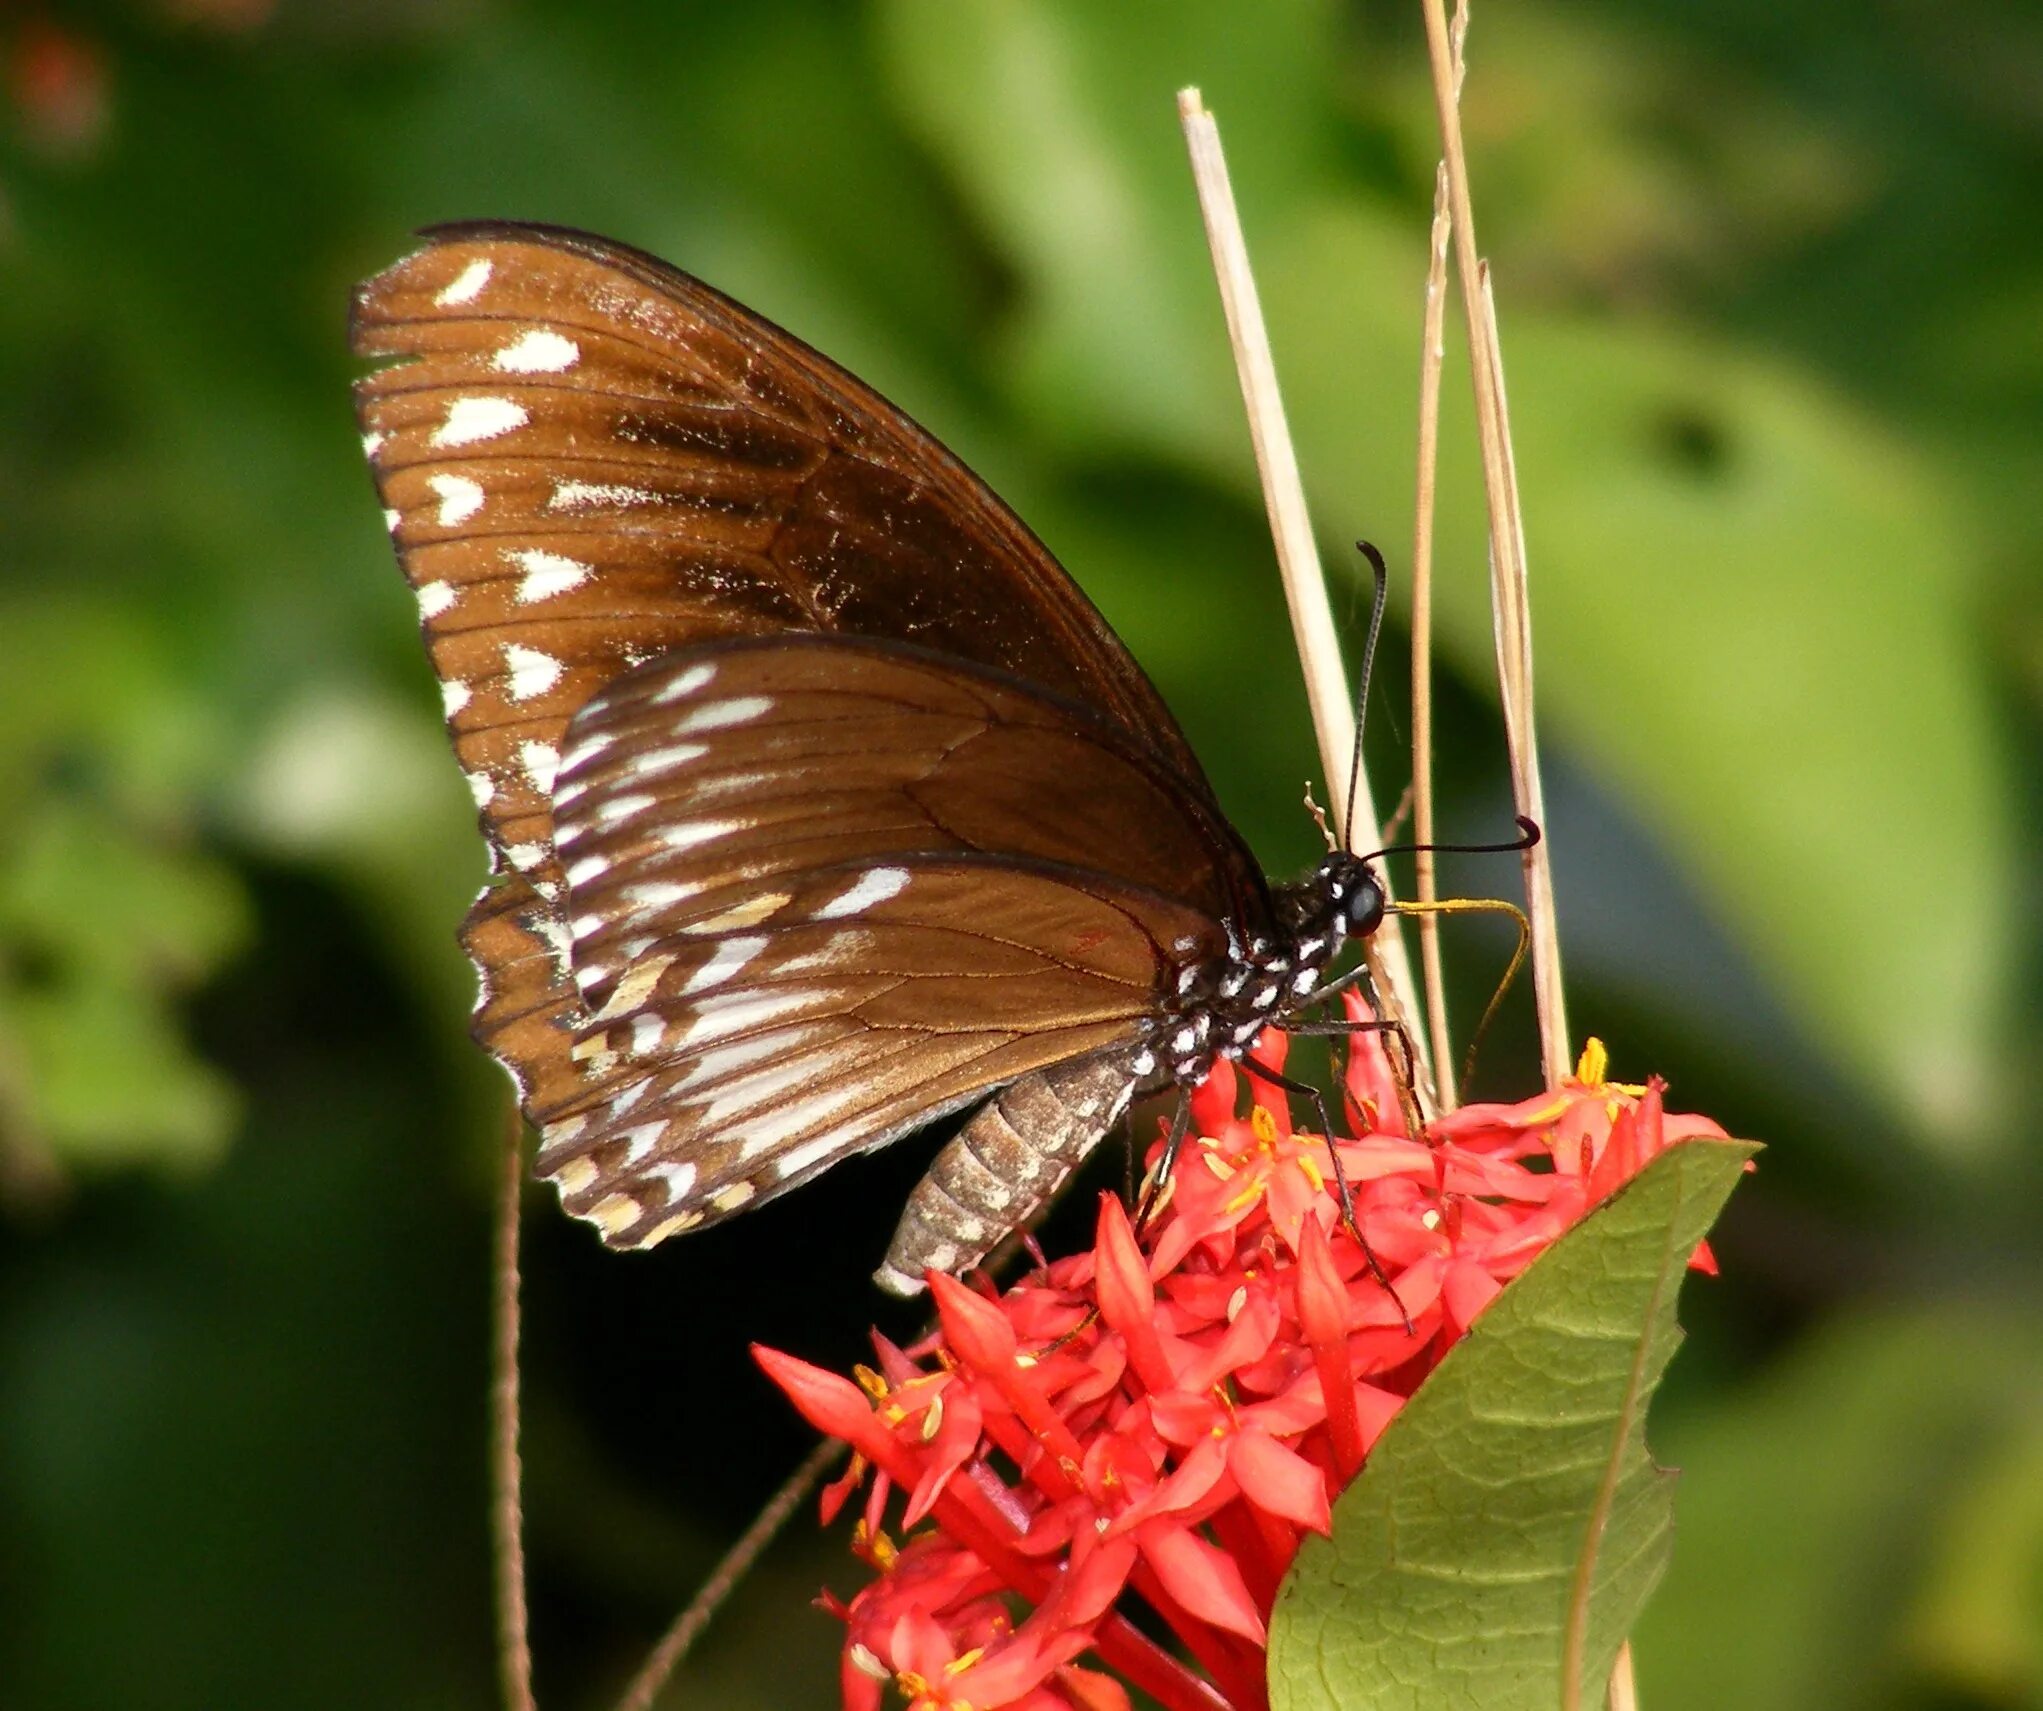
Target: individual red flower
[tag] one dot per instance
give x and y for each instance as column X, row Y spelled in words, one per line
column 1164, row 1416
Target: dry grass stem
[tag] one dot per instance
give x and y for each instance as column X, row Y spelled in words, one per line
column 1432, row 355
column 1312, row 623
column 1514, row 643
column 1507, row 542
column 507, row 1508
column 737, row 1562
column 1624, row 1689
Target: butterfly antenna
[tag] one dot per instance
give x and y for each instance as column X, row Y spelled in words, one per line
column 1528, row 836
column 1376, row 565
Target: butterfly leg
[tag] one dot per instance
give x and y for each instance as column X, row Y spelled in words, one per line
column 1159, row 1180
column 1405, row 1073
column 1305, row 1090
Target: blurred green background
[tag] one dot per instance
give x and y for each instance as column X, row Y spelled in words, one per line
column 1770, row 296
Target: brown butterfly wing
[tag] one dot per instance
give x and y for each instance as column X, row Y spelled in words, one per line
column 588, row 458
column 820, row 892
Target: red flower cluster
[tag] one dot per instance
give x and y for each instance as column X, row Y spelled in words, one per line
column 1167, row 1415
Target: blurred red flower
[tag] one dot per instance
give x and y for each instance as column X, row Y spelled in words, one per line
column 1168, row 1413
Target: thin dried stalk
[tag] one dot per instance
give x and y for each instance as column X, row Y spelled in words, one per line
column 1312, row 622
column 1624, row 1690
column 1432, row 355
column 507, row 1509
column 1507, row 546
column 1509, row 601
column 737, row 1562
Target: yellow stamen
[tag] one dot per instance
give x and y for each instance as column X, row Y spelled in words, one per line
column 1264, row 1126
column 964, row 1661
column 1594, row 1064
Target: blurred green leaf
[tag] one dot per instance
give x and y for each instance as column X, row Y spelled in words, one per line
column 1864, row 1520
column 100, row 932
column 1508, row 1525
column 1979, row 1624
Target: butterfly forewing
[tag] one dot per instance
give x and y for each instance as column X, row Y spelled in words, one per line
column 588, row 458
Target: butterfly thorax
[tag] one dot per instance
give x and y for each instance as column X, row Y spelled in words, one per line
column 1220, row 1005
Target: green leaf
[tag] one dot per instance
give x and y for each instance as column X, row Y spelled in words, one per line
column 1508, row 1526
column 1865, row 1514
column 104, row 925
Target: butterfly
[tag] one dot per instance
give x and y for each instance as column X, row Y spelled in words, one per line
column 821, row 802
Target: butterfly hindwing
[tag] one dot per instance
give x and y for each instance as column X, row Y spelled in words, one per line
column 819, row 891
column 727, row 1067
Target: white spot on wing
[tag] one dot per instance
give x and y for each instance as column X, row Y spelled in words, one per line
column 587, row 749
column 539, row 351
column 541, row 761
column 459, row 498
column 372, row 443
column 532, row 672
column 391, row 519
column 634, row 989
column 688, row 833
column 746, row 914
column 874, row 887
column 718, row 1015
column 587, row 869
column 640, row 1141
column 614, row 1214
column 586, row 495
column 525, row 857
column 622, row 808
column 470, row 420
column 686, row 684
column 435, row 597
column 467, row 285
column 574, row 1176
column 646, row 1029
column 716, row 714
column 547, row 574
column 482, row 787
column 655, row 761
column 454, row 695
column 679, row 1176
column 730, row 956
column 720, row 1061
column 658, row 894
column 752, row 1091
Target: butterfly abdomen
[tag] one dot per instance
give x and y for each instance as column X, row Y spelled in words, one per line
column 1004, row 1166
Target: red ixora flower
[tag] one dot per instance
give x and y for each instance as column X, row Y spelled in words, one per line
column 1163, row 1417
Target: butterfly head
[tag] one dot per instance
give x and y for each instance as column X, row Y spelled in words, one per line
column 1349, row 894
